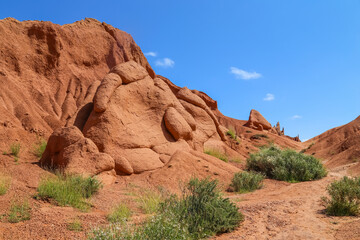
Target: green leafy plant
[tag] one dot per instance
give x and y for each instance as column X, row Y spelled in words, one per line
column 15, row 149
column 287, row 165
column 203, row 209
column 75, row 225
column 68, row 190
column 119, row 213
column 246, row 181
column 19, row 212
column 345, row 197
column 216, row 153
column 5, row 182
column 39, row 148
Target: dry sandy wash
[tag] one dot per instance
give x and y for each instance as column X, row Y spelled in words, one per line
column 87, row 89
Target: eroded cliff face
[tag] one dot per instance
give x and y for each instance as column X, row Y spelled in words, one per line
column 48, row 71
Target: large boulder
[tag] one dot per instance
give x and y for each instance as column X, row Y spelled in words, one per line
column 69, row 151
column 177, row 125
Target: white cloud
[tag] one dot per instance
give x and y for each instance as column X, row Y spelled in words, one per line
column 269, row 97
column 239, row 73
column 296, row 117
column 151, row 54
column 165, row 62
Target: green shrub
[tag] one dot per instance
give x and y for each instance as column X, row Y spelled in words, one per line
column 200, row 212
column 5, row 182
column 345, row 197
column 258, row 136
column 15, row 149
column 19, row 212
column 216, row 153
column 75, row 225
column 231, row 132
column 287, row 165
column 203, row 210
column 39, row 148
column 246, row 181
column 68, row 190
column 119, row 213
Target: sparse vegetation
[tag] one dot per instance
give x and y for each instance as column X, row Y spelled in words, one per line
column 68, row 190
column 345, row 197
column 75, row 225
column 200, row 212
column 5, row 182
column 286, row 165
column 150, row 201
column 248, row 131
column 15, row 149
column 119, row 213
column 39, row 148
column 243, row 182
column 305, row 149
column 216, row 153
column 258, row 136
column 231, row 132
column 19, row 212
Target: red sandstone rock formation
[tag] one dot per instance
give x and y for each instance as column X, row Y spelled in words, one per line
column 257, row 121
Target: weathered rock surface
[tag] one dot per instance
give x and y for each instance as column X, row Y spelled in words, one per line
column 177, row 125
column 257, row 121
column 47, row 71
column 140, row 122
column 70, row 151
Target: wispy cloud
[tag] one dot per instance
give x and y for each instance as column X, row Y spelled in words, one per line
column 296, row 117
column 151, row 54
column 242, row 74
column 165, row 62
column 269, row 97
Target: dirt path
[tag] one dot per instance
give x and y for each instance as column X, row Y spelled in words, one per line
column 291, row 211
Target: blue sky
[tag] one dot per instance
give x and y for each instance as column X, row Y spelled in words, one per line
column 297, row 62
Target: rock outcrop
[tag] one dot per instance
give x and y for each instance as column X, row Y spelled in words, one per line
column 69, row 151
column 139, row 122
column 257, row 121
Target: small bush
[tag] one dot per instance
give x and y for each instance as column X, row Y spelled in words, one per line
column 120, row 213
column 69, row 190
column 75, row 225
column 286, row 165
column 5, row 182
column 15, row 149
column 19, row 212
column 216, row 153
column 246, row 181
column 203, row 210
column 258, row 136
column 345, row 197
column 231, row 132
column 39, row 148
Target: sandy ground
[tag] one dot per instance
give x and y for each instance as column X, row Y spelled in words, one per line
column 279, row 210
column 283, row 210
